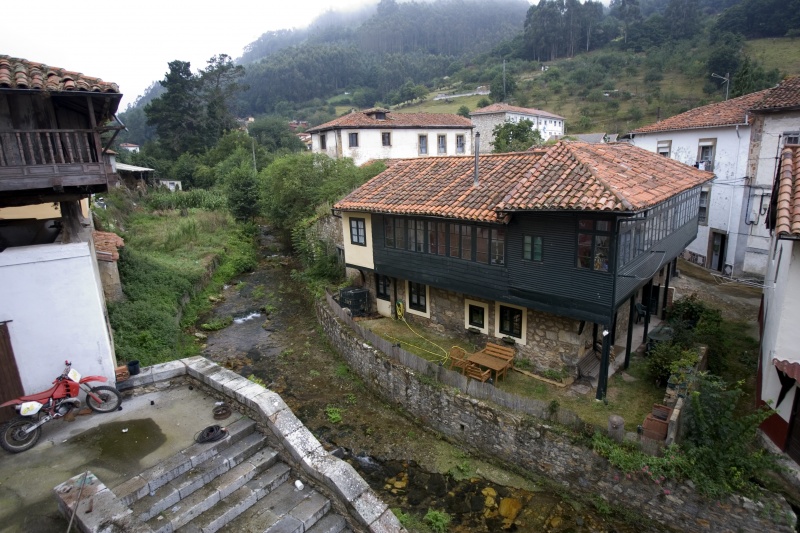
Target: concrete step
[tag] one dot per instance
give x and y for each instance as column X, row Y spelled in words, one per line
column 330, row 523
column 239, row 501
column 246, row 459
column 204, row 474
column 270, row 511
column 153, row 478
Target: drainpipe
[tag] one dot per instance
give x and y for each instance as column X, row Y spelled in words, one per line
column 477, row 153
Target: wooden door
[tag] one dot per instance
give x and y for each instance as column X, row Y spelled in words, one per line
column 10, row 384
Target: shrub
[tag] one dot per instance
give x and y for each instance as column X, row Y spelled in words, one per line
column 437, row 520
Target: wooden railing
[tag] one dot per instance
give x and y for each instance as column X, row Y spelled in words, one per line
column 47, row 147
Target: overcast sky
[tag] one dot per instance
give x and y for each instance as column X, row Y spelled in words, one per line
column 131, row 43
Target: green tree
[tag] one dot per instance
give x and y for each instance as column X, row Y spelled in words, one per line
column 751, row 77
column 219, row 84
column 274, row 134
column 463, row 111
column 243, row 192
column 515, row 136
column 177, row 114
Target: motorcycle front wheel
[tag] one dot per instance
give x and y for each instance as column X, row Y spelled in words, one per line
column 109, row 399
column 13, row 438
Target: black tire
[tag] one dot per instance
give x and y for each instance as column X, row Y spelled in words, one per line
column 12, row 438
column 108, row 395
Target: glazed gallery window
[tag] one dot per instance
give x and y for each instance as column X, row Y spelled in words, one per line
column 358, row 231
column 417, row 297
column 462, row 241
column 594, row 243
column 510, row 321
column 532, row 248
column 353, row 139
column 490, row 246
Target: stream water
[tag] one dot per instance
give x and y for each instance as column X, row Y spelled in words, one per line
column 274, row 336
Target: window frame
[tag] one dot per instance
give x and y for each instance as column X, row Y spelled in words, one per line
column 422, row 144
column 386, row 139
column 707, row 143
column 441, row 144
column 383, row 286
column 664, row 144
column 358, row 235
column 791, row 138
column 352, row 139
column 417, row 292
column 529, row 245
column 323, row 141
column 703, row 210
column 468, row 304
column 498, row 319
column 461, row 144
column 588, row 230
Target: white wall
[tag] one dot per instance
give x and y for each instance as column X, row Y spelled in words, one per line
column 404, row 143
column 355, row 254
column 52, row 297
column 728, row 192
column 485, row 124
column 782, row 314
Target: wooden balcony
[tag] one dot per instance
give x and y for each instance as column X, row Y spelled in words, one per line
column 51, row 161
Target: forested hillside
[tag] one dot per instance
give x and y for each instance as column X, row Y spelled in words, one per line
column 609, row 67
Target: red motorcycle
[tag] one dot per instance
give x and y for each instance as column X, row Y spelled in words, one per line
column 23, row 432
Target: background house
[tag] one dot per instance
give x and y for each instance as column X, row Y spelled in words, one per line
column 487, row 118
column 50, row 286
column 380, row 134
column 779, row 361
column 527, row 247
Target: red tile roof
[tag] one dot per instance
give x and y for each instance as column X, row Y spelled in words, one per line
column 566, row 176
column 729, row 113
column 785, row 95
column 787, row 220
column 505, row 108
column 18, row 73
column 106, row 245
column 360, row 119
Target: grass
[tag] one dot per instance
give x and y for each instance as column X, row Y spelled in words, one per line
column 782, row 54
column 632, row 400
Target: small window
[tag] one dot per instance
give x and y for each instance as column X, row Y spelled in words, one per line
column 353, row 138
column 510, row 321
column 791, row 137
column 665, row 148
column 532, row 248
column 382, row 285
column 706, row 150
column 417, row 297
column 358, row 231
column 423, row 145
column 460, row 145
column 441, row 144
column 323, row 141
column 386, row 138
column 476, row 316
column 702, row 214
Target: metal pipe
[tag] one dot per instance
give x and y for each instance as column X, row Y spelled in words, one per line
column 477, row 153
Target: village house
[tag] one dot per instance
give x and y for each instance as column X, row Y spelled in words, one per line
column 487, row 118
column 548, row 250
column 51, row 160
column 737, row 140
column 381, row 134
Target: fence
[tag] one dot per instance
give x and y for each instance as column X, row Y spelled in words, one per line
column 47, row 147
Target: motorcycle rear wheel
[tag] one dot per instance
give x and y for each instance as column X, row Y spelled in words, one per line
column 13, row 439
column 110, row 399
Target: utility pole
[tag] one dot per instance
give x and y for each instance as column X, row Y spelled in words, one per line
column 726, row 80
column 504, row 80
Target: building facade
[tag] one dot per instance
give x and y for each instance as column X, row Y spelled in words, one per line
column 487, row 118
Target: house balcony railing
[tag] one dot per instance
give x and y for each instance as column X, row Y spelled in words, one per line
column 61, row 160
column 47, row 147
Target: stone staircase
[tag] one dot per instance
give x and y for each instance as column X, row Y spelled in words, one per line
column 235, row 484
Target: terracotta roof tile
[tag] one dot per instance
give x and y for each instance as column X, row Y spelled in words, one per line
column 785, row 95
column 18, row 73
column 505, row 108
column 360, row 119
column 787, row 221
column 106, row 245
column 565, row 176
column 731, row 112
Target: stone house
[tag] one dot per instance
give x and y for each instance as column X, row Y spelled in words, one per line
column 380, row 134
column 487, row 118
column 51, row 161
column 547, row 250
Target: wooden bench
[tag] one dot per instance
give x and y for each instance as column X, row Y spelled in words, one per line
column 458, row 358
column 476, row 372
column 504, row 353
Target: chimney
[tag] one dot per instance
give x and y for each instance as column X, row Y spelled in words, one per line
column 477, row 152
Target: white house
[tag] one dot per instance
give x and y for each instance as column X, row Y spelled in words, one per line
column 779, row 363
column 717, row 137
column 130, row 147
column 487, row 118
column 380, row 134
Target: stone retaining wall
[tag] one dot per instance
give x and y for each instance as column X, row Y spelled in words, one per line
column 548, row 450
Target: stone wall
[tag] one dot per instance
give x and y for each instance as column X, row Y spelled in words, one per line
column 536, row 446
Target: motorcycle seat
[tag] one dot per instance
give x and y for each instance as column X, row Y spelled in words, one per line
column 40, row 397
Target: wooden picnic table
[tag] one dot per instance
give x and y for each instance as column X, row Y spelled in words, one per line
column 491, row 362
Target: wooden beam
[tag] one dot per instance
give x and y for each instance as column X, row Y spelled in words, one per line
column 629, row 341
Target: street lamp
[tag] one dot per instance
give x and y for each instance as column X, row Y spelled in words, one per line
column 726, row 79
